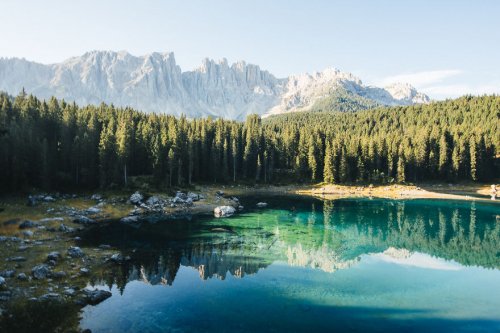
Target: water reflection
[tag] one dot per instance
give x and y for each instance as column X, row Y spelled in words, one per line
column 325, row 235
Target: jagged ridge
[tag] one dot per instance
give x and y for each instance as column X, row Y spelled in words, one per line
column 155, row 83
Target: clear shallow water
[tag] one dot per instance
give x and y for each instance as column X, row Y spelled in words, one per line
column 307, row 265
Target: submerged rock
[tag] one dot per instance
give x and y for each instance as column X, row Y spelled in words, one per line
column 75, row 252
column 40, row 272
column 224, row 211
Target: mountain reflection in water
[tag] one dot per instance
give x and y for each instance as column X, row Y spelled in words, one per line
column 325, row 235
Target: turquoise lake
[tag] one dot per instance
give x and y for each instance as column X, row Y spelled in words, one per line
column 307, row 265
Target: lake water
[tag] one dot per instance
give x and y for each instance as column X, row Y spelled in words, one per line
column 307, row 265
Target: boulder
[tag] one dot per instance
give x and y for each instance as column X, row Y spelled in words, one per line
column 8, row 273
column 65, row 228
column 22, row 277
column 28, row 233
column 94, row 297
column 194, row 196
column 2, row 282
column 219, row 193
column 59, row 275
column 136, row 198
column 54, row 255
column 96, row 196
column 75, row 252
column 40, row 272
column 28, row 224
column 154, row 201
column 130, row 219
column 116, row 258
column 93, row 210
column 224, row 211
column 261, row 205
column 84, row 220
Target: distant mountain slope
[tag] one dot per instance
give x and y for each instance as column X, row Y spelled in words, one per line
column 155, row 83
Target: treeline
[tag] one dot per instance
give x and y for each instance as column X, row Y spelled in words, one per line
column 53, row 144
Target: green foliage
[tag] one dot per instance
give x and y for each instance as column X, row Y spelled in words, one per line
column 54, row 144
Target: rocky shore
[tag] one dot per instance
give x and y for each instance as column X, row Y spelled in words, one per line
column 41, row 259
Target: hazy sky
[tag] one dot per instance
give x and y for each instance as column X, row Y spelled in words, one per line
column 445, row 48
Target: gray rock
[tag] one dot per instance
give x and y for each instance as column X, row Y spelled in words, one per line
column 51, row 219
column 51, row 263
column 104, row 246
column 8, row 273
column 193, row 196
column 59, row 275
column 22, row 277
column 50, row 297
column 96, row 196
column 40, row 272
column 28, row 233
column 69, row 292
column 84, row 220
column 116, row 258
column 154, row 201
column 136, row 198
column 93, row 210
column 224, row 211
column 28, row 224
column 94, row 297
column 49, row 198
column 84, row 271
column 130, row 219
column 75, row 252
column 261, row 205
column 54, row 256
column 9, row 239
column 65, row 228
column 16, row 259
column 2, row 282
column 219, row 193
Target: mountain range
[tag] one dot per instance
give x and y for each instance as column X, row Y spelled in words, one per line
column 155, row 83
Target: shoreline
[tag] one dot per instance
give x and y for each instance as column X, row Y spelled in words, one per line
column 468, row 192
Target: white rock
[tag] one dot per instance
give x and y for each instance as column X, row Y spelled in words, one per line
column 261, row 204
column 224, row 211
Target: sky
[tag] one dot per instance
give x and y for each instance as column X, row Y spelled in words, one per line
column 445, row 48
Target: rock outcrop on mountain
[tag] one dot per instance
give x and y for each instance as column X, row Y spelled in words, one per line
column 155, row 83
